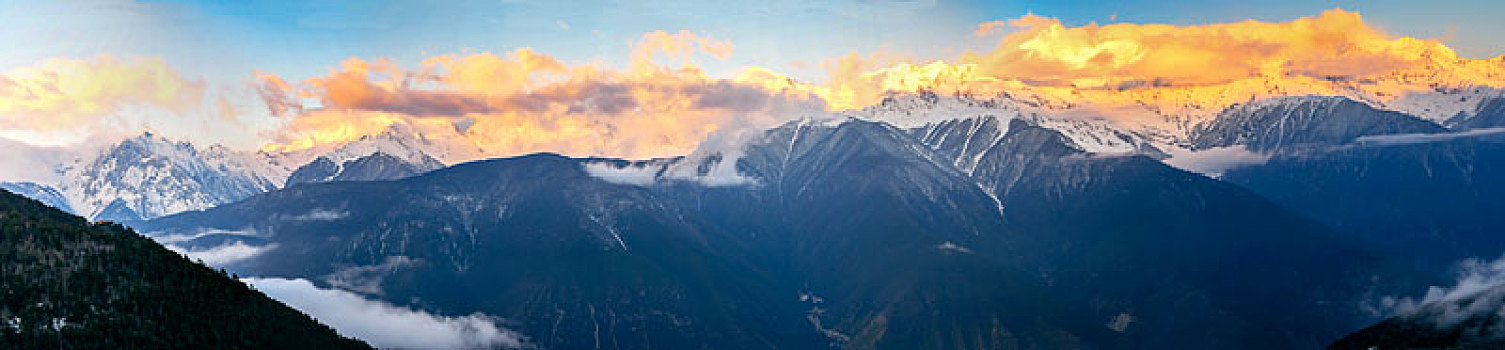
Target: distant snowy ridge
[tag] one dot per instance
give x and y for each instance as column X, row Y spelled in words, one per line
column 928, row 111
column 399, row 140
column 396, row 153
column 150, row 176
column 39, row 192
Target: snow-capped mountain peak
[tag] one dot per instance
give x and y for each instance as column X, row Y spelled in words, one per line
column 406, row 147
column 402, row 142
column 149, row 175
column 927, row 112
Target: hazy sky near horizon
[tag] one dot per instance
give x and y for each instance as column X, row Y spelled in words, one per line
column 222, row 45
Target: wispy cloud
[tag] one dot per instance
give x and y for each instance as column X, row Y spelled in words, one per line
column 1411, row 139
column 225, row 254
column 525, row 101
column 624, row 174
column 952, row 248
column 1213, row 162
column 384, row 325
column 368, row 278
column 713, row 163
column 177, row 237
column 1479, row 291
column 29, row 163
column 77, row 97
column 318, row 214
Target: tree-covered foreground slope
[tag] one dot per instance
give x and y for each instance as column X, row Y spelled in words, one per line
column 65, row 283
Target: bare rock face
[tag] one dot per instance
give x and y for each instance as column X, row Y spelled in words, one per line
column 377, row 166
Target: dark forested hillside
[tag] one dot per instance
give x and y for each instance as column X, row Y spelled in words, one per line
column 65, row 283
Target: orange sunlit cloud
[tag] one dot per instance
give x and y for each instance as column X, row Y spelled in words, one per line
column 988, row 28
column 68, row 95
column 525, row 101
column 1337, row 43
column 1174, row 67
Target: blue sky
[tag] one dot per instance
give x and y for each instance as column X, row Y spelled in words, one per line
column 226, row 40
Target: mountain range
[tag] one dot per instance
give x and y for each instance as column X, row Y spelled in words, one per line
column 149, row 176
column 921, row 222
column 893, row 227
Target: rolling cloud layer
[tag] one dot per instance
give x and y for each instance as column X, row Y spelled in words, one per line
column 386, row 326
column 525, row 101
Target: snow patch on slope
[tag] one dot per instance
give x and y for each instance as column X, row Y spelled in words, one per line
column 1441, row 105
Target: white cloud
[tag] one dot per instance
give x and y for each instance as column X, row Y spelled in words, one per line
column 1411, row 139
column 714, row 161
column 1213, row 162
column 368, row 278
column 386, row 326
column 166, row 238
column 713, row 164
column 634, row 174
column 225, row 254
column 721, row 173
column 320, row 215
column 1479, row 291
column 953, row 248
column 29, row 163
